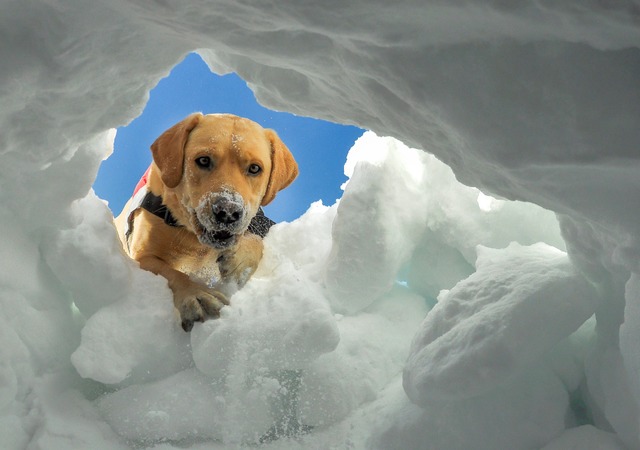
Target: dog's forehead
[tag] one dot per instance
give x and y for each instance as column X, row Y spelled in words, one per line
column 228, row 130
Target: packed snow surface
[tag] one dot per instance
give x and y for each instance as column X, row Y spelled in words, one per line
column 416, row 312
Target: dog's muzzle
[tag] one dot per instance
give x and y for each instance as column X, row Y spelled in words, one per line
column 222, row 217
column 227, row 213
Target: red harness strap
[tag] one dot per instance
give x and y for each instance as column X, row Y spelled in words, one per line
column 143, row 181
column 139, row 195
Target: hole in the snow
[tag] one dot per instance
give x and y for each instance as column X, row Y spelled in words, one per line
column 319, row 147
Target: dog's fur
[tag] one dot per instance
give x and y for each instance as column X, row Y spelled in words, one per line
column 214, row 202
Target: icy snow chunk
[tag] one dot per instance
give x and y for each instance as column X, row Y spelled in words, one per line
column 457, row 222
column 436, row 265
column 403, row 207
column 135, row 339
column 379, row 219
column 372, row 351
column 281, row 323
column 519, row 303
column 281, row 319
column 95, row 248
column 304, row 243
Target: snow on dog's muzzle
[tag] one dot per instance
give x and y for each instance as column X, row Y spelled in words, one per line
column 226, row 212
column 222, row 217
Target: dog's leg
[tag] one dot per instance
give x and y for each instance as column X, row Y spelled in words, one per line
column 238, row 263
column 194, row 302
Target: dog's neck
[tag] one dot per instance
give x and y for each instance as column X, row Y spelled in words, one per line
column 167, row 199
column 154, row 204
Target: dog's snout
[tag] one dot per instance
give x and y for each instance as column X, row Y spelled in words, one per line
column 226, row 212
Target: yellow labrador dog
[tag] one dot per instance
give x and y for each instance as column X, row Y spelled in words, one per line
column 195, row 221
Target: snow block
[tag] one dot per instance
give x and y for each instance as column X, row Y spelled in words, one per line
column 379, row 219
column 281, row 323
column 372, row 350
column 94, row 247
column 519, row 303
column 136, row 339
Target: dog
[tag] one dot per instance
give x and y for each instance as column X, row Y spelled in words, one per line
column 199, row 221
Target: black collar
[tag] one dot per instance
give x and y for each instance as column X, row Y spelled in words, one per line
column 153, row 204
column 259, row 225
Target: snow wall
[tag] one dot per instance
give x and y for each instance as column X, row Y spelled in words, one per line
column 415, row 313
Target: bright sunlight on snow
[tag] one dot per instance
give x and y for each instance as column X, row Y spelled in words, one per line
column 416, row 312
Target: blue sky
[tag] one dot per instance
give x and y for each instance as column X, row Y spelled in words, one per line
column 319, row 147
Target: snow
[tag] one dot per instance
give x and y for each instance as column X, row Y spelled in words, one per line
column 416, row 312
column 585, row 436
column 487, row 328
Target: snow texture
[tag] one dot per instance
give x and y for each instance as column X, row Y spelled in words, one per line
column 401, row 317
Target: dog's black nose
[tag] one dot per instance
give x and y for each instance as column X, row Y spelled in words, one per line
column 226, row 212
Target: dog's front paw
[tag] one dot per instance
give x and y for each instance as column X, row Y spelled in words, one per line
column 238, row 264
column 196, row 303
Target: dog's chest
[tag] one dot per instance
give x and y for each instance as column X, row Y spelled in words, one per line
column 200, row 265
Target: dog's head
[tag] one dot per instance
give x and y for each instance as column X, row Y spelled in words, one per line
column 221, row 168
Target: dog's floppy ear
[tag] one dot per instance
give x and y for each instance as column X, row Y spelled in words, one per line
column 168, row 150
column 284, row 168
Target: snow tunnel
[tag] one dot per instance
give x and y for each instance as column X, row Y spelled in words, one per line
column 475, row 286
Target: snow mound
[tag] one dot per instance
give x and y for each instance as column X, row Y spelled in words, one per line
column 327, row 343
column 487, row 329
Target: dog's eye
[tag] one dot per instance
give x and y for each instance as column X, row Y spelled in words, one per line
column 204, row 162
column 254, row 169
